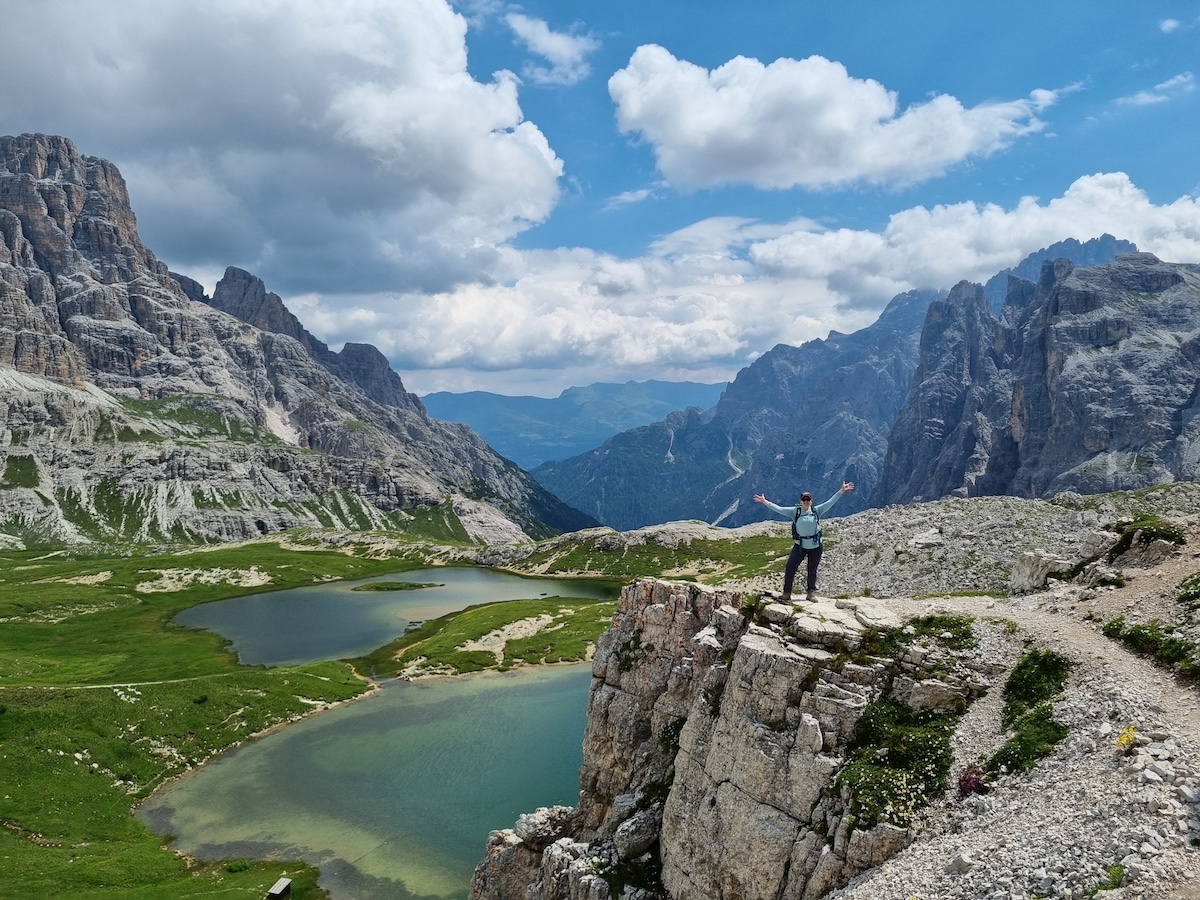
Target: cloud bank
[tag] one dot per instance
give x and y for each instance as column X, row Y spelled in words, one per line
column 357, row 166
column 804, row 123
column 322, row 150
column 707, row 300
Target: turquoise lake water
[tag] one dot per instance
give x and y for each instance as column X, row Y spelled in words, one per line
column 334, row 621
column 393, row 795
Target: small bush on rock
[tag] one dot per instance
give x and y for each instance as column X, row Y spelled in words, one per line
column 1146, row 528
column 899, row 762
column 1127, row 739
column 973, row 780
column 1037, row 677
column 1188, row 592
column 1035, row 735
column 1159, row 641
column 1035, row 680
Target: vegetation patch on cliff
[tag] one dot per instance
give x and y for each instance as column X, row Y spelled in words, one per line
column 899, row 762
column 1144, row 528
column 900, row 758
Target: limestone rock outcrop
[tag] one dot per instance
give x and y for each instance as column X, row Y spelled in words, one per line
column 133, row 406
column 1087, row 383
column 715, row 734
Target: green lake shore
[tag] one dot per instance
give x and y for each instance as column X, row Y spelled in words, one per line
column 107, row 699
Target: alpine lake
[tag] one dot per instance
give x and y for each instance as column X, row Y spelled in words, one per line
column 392, row 795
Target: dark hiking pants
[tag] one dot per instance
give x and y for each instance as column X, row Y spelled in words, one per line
column 793, row 563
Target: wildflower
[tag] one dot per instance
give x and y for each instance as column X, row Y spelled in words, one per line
column 1127, row 739
column 973, row 780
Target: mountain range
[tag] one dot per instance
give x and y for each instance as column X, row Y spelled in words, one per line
column 135, row 407
column 809, row 417
column 534, row 430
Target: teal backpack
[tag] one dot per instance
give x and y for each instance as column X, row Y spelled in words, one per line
column 816, row 536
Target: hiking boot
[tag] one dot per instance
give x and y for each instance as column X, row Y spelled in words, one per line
column 810, row 596
column 786, row 597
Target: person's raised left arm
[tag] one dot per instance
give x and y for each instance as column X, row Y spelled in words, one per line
column 824, row 507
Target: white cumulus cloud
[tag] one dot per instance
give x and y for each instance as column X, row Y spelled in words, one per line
column 805, row 123
column 566, row 53
column 708, row 299
column 319, row 144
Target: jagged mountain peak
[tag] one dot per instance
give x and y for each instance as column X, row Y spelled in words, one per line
column 246, row 296
column 228, row 418
column 824, row 411
column 1088, row 383
column 1093, row 252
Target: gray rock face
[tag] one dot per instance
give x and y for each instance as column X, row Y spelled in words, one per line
column 938, row 437
column 1087, row 383
column 719, row 739
column 218, row 418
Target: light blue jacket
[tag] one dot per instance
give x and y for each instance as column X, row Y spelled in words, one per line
column 808, row 525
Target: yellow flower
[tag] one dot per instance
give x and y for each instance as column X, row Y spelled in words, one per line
column 1127, row 739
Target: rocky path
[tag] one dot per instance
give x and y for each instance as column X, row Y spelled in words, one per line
column 1089, row 806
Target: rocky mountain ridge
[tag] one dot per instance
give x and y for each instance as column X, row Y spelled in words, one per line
column 797, row 414
column 136, row 408
column 798, row 417
column 1087, row 382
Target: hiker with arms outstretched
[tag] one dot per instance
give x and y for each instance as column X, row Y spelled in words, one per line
column 806, row 536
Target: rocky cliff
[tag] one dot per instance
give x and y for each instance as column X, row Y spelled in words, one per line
column 133, row 406
column 1087, row 382
column 720, row 751
column 742, row 749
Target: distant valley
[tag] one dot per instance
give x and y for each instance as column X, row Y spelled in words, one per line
column 534, row 430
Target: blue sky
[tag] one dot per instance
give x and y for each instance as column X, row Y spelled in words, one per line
column 522, row 197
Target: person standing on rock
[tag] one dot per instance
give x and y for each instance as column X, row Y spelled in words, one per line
column 806, row 536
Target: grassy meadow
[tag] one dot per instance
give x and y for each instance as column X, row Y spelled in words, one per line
column 103, row 698
column 563, row 628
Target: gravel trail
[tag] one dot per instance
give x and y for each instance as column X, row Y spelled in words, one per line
column 1089, row 806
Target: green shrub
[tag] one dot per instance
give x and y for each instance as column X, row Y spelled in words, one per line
column 1157, row 640
column 1039, row 676
column 1035, row 735
column 1188, row 592
column 20, row 472
column 899, row 762
column 1146, row 528
column 1114, row 628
